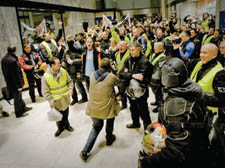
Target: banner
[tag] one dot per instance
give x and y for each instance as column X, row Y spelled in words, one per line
column 26, row 27
column 125, row 21
column 106, row 22
column 41, row 29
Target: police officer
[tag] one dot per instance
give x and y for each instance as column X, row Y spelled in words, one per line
column 182, row 109
column 137, row 72
column 30, row 61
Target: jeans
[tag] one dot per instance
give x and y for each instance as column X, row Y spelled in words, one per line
column 96, row 128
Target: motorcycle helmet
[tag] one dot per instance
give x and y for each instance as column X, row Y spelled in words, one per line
column 135, row 89
column 174, row 73
column 154, row 138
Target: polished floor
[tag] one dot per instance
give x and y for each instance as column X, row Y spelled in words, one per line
column 29, row 142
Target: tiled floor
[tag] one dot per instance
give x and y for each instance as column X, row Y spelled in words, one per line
column 29, row 142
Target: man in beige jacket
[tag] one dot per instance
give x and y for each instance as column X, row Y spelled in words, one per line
column 102, row 105
column 57, row 86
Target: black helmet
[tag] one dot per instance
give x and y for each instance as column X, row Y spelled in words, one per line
column 174, row 73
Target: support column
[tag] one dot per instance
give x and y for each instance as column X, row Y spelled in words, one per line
column 164, row 10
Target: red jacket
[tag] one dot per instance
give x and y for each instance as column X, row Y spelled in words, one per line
column 26, row 61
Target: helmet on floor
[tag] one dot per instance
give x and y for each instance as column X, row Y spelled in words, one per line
column 154, row 138
column 174, row 73
column 135, row 89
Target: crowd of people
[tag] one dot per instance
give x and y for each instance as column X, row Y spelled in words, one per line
column 183, row 65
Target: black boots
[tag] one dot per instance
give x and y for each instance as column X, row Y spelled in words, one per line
column 111, row 140
column 61, row 127
column 84, row 156
column 133, row 126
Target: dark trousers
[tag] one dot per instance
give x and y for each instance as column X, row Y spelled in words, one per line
column 96, row 128
column 31, row 81
column 139, row 108
column 87, row 81
column 123, row 95
column 81, row 89
column 157, row 90
column 64, row 122
column 19, row 104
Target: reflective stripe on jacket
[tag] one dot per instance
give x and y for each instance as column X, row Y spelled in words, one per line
column 206, row 39
column 48, row 49
column 154, row 59
column 206, row 82
column 149, row 48
column 57, row 88
column 120, row 62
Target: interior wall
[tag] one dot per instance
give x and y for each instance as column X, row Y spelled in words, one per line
column 9, row 35
column 90, row 4
column 10, row 30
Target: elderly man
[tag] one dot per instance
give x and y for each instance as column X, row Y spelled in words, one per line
column 206, row 69
column 121, row 57
column 137, row 71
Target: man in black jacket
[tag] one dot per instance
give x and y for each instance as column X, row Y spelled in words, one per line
column 30, row 61
column 137, row 68
column 73, row 66
column 14, row 80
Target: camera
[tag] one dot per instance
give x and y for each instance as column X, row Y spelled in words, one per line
column 176, row 41
column 114, row 22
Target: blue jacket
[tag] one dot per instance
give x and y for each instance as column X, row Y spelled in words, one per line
column 187, row 49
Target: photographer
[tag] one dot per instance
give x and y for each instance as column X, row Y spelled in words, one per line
column 187, row 47
column 30, row 61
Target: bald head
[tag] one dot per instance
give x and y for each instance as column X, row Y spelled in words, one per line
column 123, row 46
column 158, row 47
column 208, row 52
